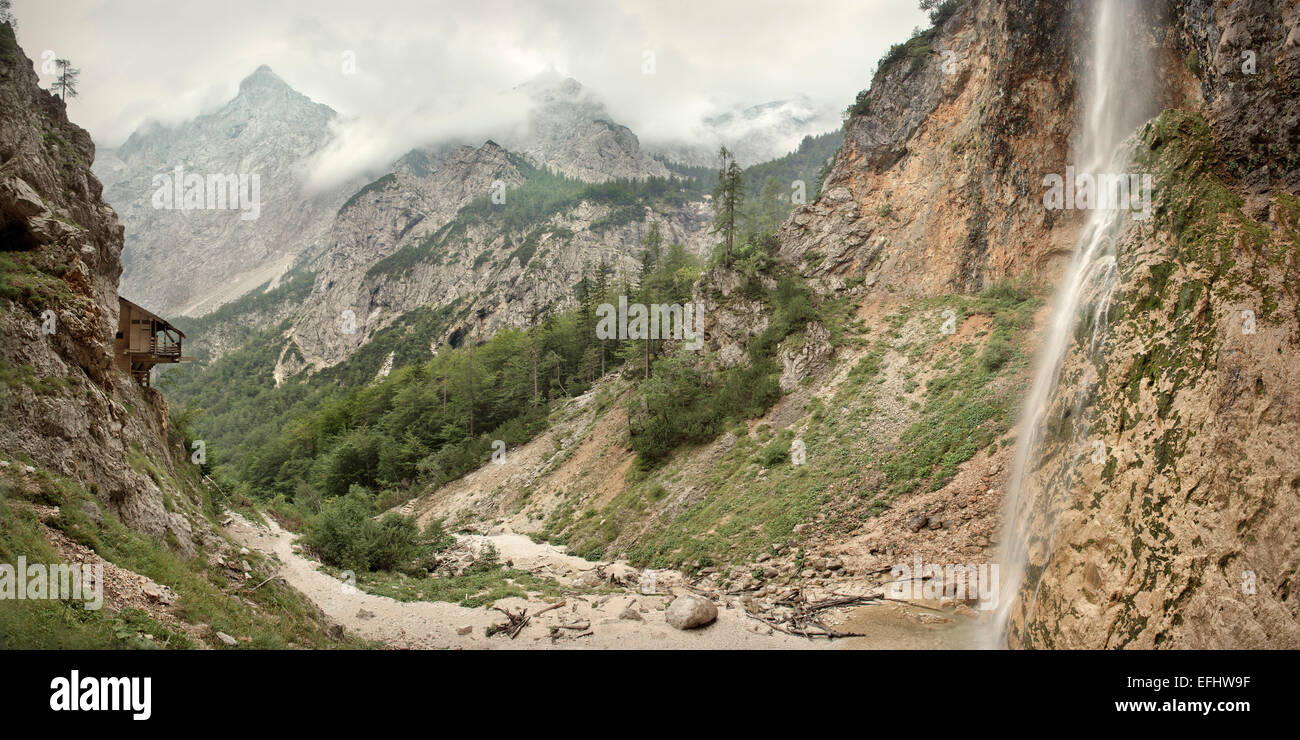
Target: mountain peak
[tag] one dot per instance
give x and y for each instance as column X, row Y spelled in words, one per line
column 550, row 82
column 263, row 78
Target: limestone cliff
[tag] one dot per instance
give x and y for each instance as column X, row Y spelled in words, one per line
column 1185, row 535
column 470, row 266
column 65, row 409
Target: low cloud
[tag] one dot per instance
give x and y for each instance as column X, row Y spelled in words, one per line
column 428, row 71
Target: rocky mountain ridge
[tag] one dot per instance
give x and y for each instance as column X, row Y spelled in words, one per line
column 569, row 130
column 188, row 258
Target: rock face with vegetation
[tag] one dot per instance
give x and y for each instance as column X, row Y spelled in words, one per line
column 93, row 468
column 936, row 188
column 489, row 266
column 68, row 410
column 401, row 208
column 1184, row 534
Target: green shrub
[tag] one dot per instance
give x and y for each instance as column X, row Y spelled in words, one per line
column 335, row 533
column 996, row 353
column 435, row 536
column 682, row 403
column 940, row 10
column 344, row 535
column 391, row 542
column 775, row 453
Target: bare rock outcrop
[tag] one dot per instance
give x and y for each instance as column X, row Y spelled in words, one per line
column 63, row 406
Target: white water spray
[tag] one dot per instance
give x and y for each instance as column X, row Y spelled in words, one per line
column 1117, row 101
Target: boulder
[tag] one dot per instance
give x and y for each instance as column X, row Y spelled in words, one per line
column 92, row 512
column 690, row 611
column 20, row 199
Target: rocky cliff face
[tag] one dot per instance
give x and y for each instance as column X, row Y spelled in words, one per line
column 189, row 257
column 401, row 209
column 936, row 187
column 65, row 409
column 486, row 277
column 1185, row 534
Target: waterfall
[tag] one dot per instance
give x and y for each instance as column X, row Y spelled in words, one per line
column 1116, row 100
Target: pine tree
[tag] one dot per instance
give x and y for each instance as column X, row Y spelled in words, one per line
column 587, row 303
column 600, row 290
column 650, row 258
column 534, row 348
column 478, row 332
column 653, row 251
column 66, row 83
column 771, row 208
column 727, row 202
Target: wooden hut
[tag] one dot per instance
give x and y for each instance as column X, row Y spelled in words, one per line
column 143, row 340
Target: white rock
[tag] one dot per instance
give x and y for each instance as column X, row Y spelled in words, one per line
column 690, row 611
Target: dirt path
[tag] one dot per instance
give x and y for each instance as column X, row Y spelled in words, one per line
column 434, row 624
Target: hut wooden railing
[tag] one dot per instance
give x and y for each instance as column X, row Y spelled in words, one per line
column 162, row 347
column 165, row 344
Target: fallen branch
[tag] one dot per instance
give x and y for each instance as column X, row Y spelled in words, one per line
column 803, row 615
column 936, row 610
column 263, row 583
column 543, row 610
column 515, row 625
column 836, row 603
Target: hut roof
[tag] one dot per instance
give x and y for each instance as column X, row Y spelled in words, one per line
column 136, row 307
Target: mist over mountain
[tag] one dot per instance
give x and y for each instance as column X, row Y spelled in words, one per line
column 189, row 260
column 755, row 133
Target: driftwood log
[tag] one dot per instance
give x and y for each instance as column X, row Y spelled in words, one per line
column 803, row 617
column 516, row 623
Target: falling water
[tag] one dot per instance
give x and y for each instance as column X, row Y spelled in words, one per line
column 1116, row 101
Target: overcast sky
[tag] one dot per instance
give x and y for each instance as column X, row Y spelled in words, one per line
column 429, row 65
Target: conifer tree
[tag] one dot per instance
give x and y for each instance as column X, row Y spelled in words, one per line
column 728, row 199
